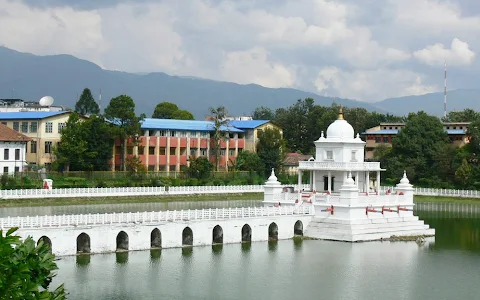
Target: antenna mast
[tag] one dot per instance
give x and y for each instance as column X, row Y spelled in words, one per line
column 445, row 93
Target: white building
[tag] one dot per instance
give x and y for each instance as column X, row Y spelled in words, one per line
column 13, row 147
column 346, row 207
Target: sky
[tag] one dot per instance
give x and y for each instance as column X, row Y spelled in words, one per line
column 359, row 49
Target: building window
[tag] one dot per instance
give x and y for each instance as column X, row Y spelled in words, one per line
column 61, row 126
column 193, row 134
column 6, row 155
column 385, row 139
column 129, row 150
column 203, row 151
column 48, row 127
column 231, row 152
column 17, row 169
column 48, row 147
column 204, row 134
column 182, row 133
column 163, row 151
column 33, row 127
column 24, row 127
column 17, row 154
column 378, row 140
column 151, row 150
column 222, row 152
column 193, row 152
column 16, row 126
column 172, row 133
column 354, row 155
column 163, row 133
column 33, row 147
column 330, row 155
column 141, row 150
column 5, row 169
column 173, row 150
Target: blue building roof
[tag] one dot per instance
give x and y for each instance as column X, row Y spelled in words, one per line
column 187, row 125
column 455, row 131
column 248, row 124
column 29, row 115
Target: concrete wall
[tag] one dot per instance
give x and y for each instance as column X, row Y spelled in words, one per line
column 103, row 237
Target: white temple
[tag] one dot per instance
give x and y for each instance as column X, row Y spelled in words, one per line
column 347, row 207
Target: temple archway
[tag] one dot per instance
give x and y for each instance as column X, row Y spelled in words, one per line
column 83, row 243
column 246, row 233
column 122, row 241
column 217, row 235
column 187, row 237
column 46, row 240
column 298, row 228
column 156, row 238
column 273, row 231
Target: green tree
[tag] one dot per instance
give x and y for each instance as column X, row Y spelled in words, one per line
column 473, row 132
column 183, row 115
column 270, row 149
column 263, row 113
column 86, row 104
column 219, row 134
column 121, row 112
column 72, row 147
column 168, row 110
column 200, row 167
column 417, row 145
column 26, row 270
column 249, row 161
column 99, row 139
column 466, row 115
column 463, row 173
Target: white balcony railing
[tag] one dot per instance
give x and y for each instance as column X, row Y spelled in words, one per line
column 339, row 166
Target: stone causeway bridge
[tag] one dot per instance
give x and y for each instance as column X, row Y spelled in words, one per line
column 110, row 232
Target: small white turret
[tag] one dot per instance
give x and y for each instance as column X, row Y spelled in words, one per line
column 273, row 189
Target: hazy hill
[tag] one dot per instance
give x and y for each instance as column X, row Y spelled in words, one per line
column 432, row 103
column 64, row 77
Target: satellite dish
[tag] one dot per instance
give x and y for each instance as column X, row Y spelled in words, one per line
column 46, row 101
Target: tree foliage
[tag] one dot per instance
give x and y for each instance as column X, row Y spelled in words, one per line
column 72, row 147
column 263, row 113
column 466, row 115
column 121, row 112
column 86, row 104
column 249, row 161
column 270, row 149
column 26, row 269
column 85, row 145
column 220, row 123
column 200, row 167
column 168, row 110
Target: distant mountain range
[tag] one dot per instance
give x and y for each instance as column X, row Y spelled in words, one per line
column 29, row 77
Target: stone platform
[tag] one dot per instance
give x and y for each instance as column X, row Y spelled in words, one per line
column 366, row 229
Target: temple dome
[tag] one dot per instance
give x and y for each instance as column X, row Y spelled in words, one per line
column 340, row 128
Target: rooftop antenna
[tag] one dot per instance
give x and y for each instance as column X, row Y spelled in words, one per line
column 445, row 93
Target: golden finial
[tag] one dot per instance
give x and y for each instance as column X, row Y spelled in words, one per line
column 340, row 113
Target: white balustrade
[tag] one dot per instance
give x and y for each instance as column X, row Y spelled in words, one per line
column 151, row 217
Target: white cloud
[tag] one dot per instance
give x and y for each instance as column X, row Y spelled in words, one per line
column 253, row 66
column 371, row 85
column 458, row 54
column 55, row 30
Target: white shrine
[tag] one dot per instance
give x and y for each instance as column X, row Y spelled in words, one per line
column 348, row 207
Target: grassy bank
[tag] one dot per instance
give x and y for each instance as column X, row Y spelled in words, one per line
column 114, row 200
column 423, row 199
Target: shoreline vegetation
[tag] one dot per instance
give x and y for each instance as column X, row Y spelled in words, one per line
column 181, row 198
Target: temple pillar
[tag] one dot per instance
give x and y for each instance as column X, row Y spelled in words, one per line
column 368, row 181
column 378, row 182
column 329, row 181
column 299, row 181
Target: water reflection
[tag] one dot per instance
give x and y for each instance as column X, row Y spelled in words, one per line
column 272, row 245
column 83, row 260
column 121, row 257
column 155, row 254
column 246, row 246
column 187, row 251
column 217, row 249
column 297, row 243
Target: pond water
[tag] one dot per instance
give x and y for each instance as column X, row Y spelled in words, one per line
column 448, row 268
